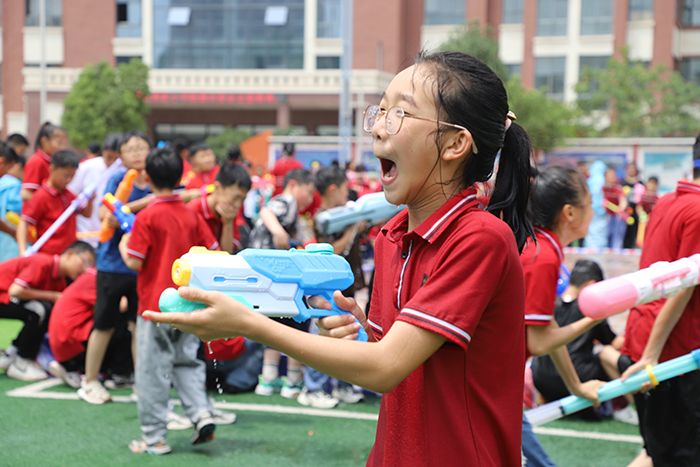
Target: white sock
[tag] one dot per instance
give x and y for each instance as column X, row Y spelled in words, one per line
column 294, row 376
column 270, row 371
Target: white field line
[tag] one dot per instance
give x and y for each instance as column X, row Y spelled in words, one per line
column 39, row 391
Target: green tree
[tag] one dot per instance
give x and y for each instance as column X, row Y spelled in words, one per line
column 641, row 101
column 547, row 121
column 224, row 140
column 480, row 43
column 106, row 99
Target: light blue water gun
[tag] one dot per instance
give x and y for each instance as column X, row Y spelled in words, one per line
column 122, row 212
column 372, row 207
column 654, row 374
column 271, row 282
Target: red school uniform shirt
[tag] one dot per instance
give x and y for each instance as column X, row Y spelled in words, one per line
column 36, row 171
column 202, row 178
column 673, row 232
column 282, row 166
column 213, row 220
column 614, row 194
column 43, row 209
column 459, row 275
column 39, row 271
column 162, row 232
column 72, row 317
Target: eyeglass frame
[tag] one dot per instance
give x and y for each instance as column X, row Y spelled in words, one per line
column 406, row 114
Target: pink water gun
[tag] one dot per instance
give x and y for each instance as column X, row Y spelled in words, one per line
column 660, row 280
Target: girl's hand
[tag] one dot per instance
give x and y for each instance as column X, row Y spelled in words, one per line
column 589, row 390
column 639, row 366
column 344, row 326
column 223, row 317
column 281, row 240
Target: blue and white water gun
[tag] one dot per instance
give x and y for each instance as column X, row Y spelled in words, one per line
column 372, row 207
column 271, row 282
column 122, row 212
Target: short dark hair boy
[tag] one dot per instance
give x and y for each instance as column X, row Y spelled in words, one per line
column 164, row 168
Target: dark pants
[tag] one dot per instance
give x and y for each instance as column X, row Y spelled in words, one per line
column 35, row 314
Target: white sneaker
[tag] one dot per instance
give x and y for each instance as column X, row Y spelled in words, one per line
column 221, row 417
column 203, row 430
column 176, row 421
column 26, row 370
column 347, row 394
column 71, row 378
column 318, row 399
column 626, row 415
column 8, row 357
column 94, row 393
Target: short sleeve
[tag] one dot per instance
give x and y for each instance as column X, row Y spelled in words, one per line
column 540, row 292
column 279, row 207
column 465, row 274
column 33, row 275
column 31, row 210
column 33, row 174
column 140, row 241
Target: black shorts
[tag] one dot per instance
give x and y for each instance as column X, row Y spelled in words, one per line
column 111, row 287
column 669, row 419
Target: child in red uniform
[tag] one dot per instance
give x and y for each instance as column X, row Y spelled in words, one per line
column 561, row 211
column 284, row 164
column 28, row 289
column 447, row 339
column 615, row 205
column 163, row 232
column 220, row 208
column 51, row 138
column 669, row 416
column 49, row 202
column 204, row 168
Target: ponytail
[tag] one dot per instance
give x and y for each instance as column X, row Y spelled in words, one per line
column 46, row 131
column 510, row 196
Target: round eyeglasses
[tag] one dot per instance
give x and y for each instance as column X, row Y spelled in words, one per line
column 394, row 120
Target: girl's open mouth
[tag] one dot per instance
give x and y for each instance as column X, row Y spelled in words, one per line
column 388, row 170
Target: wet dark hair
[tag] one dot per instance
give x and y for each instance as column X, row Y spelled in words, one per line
column 585, row 270
column 112, row 142
column 288, row 148
column 94, row 147
column 65, row 158
column 196, row 147
column 234, row 154
column 130, row 134
column 553, row 188
column 328, row 176
column 16, row 138
column 233, row 174
column 468, row 93
column 301, row 176
column 164, row 168
column 46, row 131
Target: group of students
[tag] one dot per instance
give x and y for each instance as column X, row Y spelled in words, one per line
column 461, row 296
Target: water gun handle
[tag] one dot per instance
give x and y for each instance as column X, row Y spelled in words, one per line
column 170, row 301
column 122, row 194
column 335, row 310
column 122, row 213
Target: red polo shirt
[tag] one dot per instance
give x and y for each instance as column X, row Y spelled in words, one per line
column 36, row 171
column 282, row 166
column 43, row 209
column 162, row 232
column 673, row 232
column 39, row 271
column 214, row 222
column 459, row 275
column 72, row 317
column 541, row 262
column 201, row 179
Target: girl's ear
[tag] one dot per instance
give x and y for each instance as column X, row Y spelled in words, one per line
column 567, row 213
column 457, row 144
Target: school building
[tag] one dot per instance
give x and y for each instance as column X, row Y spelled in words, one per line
column 265, row 63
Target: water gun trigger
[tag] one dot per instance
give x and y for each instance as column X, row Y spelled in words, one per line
column 335, row 310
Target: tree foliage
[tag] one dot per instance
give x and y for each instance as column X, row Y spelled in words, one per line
column 641, row 101
column 223, row 141
column 547, row 121
column 106, row 99
column 480, row 43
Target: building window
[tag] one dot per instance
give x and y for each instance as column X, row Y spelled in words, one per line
column 512, row 11
column 640, row 10
column 689, row 12
column 549, row 74
column 514, row 69
column 128, row 18
column 596, row 17
column 329, row 18
column 552, row 17
column 54, row 12
column 436, row 12
column 690, row 69
column 594, row 63
column 327, row 63
column 230, row 34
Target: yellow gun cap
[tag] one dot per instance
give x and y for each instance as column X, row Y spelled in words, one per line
column 201, row 250
column 182, row 270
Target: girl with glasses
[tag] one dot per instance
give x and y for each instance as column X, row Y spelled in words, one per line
column 446, row 323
